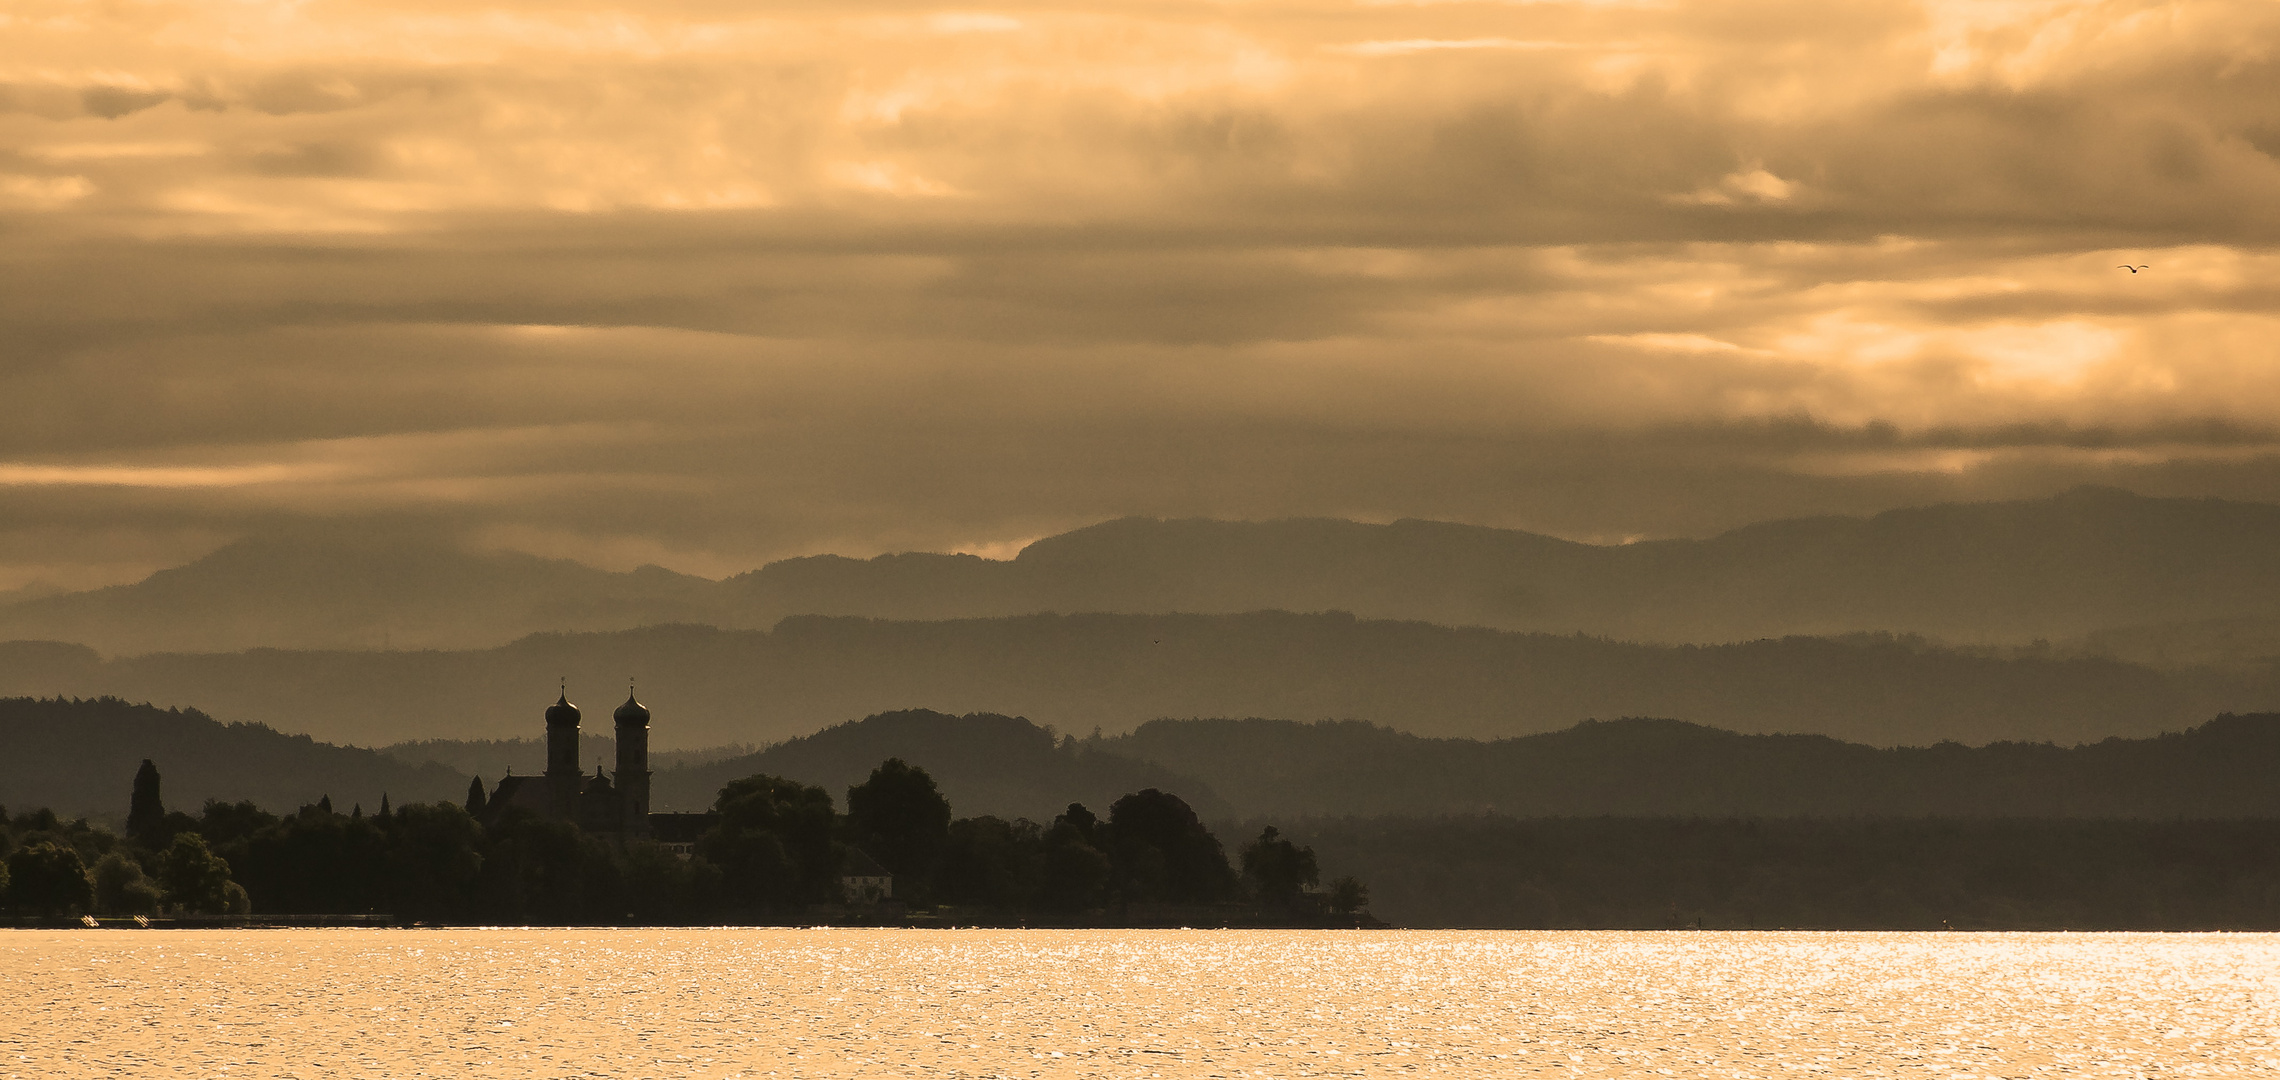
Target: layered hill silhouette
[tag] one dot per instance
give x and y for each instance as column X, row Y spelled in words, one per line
column 1667, row 768
column 985, row 763
column 1077, row 672
column 2061, row 569
column 80, row 757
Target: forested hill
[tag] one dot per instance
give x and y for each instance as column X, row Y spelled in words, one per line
column 79, row 758
column 985, row 763
column 2061, row 568
column 710, row 687
column 2224, row 768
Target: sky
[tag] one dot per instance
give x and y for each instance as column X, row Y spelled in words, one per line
column 705, row 284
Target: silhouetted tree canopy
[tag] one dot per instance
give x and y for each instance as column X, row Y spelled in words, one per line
column 1161, row 851
column 144, row 808
column 900, row 819
column 49, row 878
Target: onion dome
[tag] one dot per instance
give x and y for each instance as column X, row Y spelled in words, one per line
column 562, row 713
column 632, row 712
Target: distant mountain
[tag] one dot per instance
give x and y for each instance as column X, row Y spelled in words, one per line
column 983, row 762
column 2059, row 569
column 1078, row 672
column 1665, row 768
column 328, row 589
column 79, row 758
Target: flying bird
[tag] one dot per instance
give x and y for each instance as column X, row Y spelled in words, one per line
column 2134, row 269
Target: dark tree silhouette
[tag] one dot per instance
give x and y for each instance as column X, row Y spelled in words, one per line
column 773, row 843
column 121, row 887
column 48, row 878
column 194, row 879
column 1279, row 872
column 1163, row 853
column 1076, row 873
column 475, row 796
column 901, row 819
column 144, row 810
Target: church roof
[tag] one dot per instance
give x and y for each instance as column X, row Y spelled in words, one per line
column 561, row 712
column 632, row 711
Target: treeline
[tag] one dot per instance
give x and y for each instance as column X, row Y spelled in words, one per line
column 1860, row 873
column 772, row 851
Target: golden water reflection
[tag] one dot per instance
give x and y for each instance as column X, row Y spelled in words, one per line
column 755, row 1003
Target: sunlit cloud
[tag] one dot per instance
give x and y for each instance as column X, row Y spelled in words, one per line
column 875, row 276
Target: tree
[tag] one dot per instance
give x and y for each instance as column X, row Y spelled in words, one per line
column 991, row 862
column 192, row 878
column 1348, row 896
column 1278, row 871
column 1076, row 874
column 144, row 810
column 773, row 843
column 121, row 887
column 1163, row 853
column 475, row 797
column 226, row 824
column 901, row 819
column 48, row 878
column 434, row 860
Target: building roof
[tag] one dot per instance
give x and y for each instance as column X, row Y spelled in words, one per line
column 632, row 712
column 562, row 712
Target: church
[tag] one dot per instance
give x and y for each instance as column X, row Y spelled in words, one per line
column 602, row 803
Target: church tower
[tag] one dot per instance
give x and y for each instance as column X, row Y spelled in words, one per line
column 633, row 764
column 563, row 780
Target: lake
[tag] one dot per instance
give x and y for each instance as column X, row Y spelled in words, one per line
column 787, row 1003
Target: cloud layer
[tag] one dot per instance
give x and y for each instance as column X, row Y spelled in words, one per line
column 704, row 283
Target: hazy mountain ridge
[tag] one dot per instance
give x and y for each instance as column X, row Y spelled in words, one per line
column 1077, row 672
column 2062, row 568
column 334, row 589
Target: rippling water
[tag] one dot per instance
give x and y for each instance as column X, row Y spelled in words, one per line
column 904, row 1003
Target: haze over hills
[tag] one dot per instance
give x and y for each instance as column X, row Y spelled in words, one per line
column 340, row 589
column 2062, row 569
column 710, row 687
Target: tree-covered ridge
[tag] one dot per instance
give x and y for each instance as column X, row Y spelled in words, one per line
column 989, row 763
column 2220, row 769
column 1490, row 870
column 69, row 754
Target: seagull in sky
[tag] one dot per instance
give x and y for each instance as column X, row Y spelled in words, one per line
column 2134, row 269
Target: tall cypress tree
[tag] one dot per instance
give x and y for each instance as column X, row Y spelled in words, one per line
column 475, row 796
column 144, row 811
